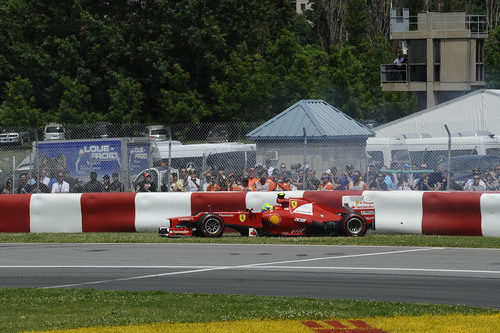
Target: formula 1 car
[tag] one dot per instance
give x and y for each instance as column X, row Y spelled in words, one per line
column 290, row 217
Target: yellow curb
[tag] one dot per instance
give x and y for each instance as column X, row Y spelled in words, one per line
column 427, row 323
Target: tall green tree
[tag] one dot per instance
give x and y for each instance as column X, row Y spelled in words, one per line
column 18, row 108
column 492, row 59
column 355, row 21
column 74, row 103
column 126, row 99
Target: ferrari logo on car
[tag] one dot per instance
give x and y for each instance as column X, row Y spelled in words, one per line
column 275, row 219
column 243, row 217
column 293, row 204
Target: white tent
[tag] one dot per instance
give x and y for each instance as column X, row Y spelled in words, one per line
column 476, row 113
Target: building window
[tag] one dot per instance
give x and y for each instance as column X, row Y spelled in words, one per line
column 437, row 59
column 417, row 60
column 302, row 6
column 479, row 60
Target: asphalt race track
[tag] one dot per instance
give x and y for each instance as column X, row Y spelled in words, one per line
column 408, row 274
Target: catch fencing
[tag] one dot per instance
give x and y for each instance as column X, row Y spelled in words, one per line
column 188, row 157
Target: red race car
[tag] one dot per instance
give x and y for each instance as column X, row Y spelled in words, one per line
column 290, row 217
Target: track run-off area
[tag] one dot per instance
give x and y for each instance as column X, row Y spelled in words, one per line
column 467, row 276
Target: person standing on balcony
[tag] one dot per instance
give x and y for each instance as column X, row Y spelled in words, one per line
column 400, row 60
column 400, row 65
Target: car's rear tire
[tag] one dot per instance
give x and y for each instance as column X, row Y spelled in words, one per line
column 354, row 226
column 210, row 225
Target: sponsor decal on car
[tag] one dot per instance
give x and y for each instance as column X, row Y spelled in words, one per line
column 243, row 217
column 186, row 219
column 275, row 219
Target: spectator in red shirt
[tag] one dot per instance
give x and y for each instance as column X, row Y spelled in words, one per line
column 213, row 187
column 325, row 185
column 282, row 184
column 252, row 177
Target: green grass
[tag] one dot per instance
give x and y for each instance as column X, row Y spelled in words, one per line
column 370, row 239
column 32, row 309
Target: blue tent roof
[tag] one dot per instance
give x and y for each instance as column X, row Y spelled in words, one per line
column 320, row 119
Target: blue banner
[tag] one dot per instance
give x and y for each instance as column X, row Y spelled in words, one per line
column 138, row 157
column 81, row 157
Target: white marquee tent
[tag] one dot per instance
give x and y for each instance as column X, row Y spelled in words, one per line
column 476, row 113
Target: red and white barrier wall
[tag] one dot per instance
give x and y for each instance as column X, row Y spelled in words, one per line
column 441, row 213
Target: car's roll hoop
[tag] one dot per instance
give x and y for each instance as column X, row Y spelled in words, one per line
column 281, row 200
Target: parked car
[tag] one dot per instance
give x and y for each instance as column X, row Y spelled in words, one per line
column 157, row 133
column 13, row 137
column 54, row 131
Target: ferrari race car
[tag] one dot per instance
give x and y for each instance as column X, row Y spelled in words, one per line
column 290, row 217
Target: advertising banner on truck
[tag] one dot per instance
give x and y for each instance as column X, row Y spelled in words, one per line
column 138, row 154
column 80, row 157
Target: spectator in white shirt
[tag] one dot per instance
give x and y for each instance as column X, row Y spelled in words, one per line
column 61, row 186
column 475, row 184
column 44, row 178
column 193, row 183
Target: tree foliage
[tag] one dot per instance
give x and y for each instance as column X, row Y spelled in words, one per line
column 492, row 59
column 18, row 107
column 194, row 61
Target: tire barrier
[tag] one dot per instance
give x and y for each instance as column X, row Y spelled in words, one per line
column 414, row 212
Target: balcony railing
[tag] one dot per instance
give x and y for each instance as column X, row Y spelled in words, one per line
column 476, row 25
column 391, row 73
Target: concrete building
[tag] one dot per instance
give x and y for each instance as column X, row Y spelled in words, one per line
column 445, row 53
column 301, row 5
column 333, row 138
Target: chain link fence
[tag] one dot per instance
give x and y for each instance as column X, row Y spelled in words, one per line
column 223, row 156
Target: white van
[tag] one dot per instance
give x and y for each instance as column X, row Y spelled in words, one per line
column 429, row 150
column 157, row 133
column 54, row 131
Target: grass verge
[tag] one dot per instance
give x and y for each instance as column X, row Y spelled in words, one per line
column 44, row 309
column 150, row 237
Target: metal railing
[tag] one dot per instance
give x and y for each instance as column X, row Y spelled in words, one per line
column 391, row 73
column 196, row 160
column 474, row 24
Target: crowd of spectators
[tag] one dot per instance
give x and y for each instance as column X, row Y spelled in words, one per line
column 401, row 177
column 61, row 183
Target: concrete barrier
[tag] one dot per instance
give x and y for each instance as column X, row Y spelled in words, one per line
column 397, row 212
column 441, row 213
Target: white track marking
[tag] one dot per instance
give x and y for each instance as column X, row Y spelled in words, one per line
column 329, row 268
column 394, row 269
column 112, row 266
column 346, row 256
column 236, row 267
